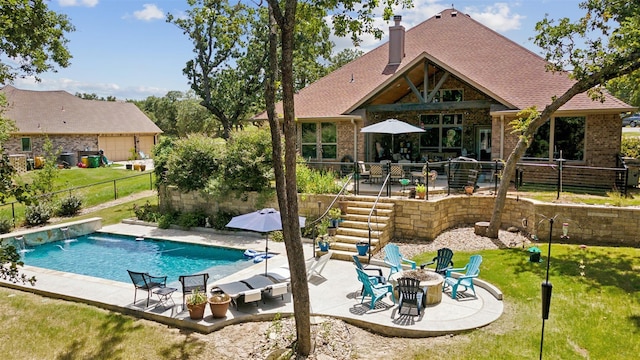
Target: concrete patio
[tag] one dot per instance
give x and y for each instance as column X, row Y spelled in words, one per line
column 336, row 293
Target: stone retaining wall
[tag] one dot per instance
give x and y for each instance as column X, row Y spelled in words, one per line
column 50, row 233
column 425, row 220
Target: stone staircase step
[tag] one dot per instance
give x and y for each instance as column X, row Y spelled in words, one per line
column 344, row 255
column 355, row 239
column 362, row 233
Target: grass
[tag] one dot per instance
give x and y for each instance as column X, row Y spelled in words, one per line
column 595, row 307
column 127, row 182
column 115, row 214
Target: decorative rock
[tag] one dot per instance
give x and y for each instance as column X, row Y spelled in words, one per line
column 512, row 229
column 480, row 228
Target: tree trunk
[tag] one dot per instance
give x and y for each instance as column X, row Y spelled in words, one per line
column 286, row 187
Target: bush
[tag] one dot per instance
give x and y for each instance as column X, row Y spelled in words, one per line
column 164, row 221
column 312, row 181
column 220, row 220
column 146, row 212
column 69, row 206
column 630, row 147
column 193, row 162
column 189, row 220
column 5, row 225
column 37, row 214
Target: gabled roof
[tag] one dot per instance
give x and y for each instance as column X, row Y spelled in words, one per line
column 495, row 65
column 58, row 112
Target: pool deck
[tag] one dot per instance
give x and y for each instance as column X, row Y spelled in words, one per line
column 336, row 293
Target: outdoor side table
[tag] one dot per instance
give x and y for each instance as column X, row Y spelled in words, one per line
column 164, row 294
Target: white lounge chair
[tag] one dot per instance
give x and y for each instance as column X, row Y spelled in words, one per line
column 237, row 290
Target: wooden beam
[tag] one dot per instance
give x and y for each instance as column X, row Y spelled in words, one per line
column 442, row 106
column 415, row 90
column 444, row 78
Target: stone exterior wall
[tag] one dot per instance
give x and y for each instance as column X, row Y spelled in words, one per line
column 67, row 143
column 425, row 220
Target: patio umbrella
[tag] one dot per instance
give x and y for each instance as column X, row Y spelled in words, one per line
column 262, row 221
column 393, row 127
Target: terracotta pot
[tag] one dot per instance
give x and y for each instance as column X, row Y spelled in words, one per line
column 219, row 309
column 143, row 167
column 136, row 167
column 421, row 195
column 469, row 190
column 196, row 312
column 332, row 231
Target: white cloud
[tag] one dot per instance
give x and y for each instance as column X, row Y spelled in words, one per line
column 150, row 12
column 497, row 17
column 87, row 3
column 100, row 89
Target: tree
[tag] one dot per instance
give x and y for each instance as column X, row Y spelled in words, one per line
column 350, row 17
column 33, row 37
column 342, row 58
column 603, row 45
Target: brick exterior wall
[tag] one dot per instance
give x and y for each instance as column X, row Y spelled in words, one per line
column 67, row 143
column 424, row 220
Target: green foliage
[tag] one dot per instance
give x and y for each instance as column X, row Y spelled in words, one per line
column 630, row 147
column 69, row 206
column 146, row 212
column 193, row 161
column 37, row 214
column 246, row 165
column 45, row 178
column 164, row 221
column 5, row 225
column 191, row 219
column 335, row 213
column 34, row 34
column 311, row 181
column 277, row 236
column 197, row 296
column 220, row 220
column 161, row 152
column 9, row 262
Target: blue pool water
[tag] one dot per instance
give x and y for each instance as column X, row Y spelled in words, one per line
column 109, row 256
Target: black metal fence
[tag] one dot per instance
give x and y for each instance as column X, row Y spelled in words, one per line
column 455, row 174
column 118, row 187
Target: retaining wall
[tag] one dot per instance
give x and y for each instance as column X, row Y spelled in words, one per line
column 426, row 219
column 50, row 233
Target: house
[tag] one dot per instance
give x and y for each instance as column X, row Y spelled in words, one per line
column 462, row 83
column 76, row 125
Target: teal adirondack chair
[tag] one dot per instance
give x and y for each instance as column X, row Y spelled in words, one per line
column 394, row 259
column 442, row 260
column 376, row 291
column 471, row 270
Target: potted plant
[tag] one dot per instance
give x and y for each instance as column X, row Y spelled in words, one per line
column 469, row 189
column 324, row 242
column 335, row 215
column 421, row 191
column 219, row 304
column 363, row 248
column 196, row 303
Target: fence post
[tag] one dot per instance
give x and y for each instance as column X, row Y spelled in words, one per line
column 356, row 178
column 151, row 180
column 115, row 190
column 13, row 212
column 560, row 162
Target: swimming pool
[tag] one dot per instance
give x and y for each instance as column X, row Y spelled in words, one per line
column 109, row 256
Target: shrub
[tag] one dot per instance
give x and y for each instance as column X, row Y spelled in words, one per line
column 146, row 212
column 5, row 225
column 193, row 219
column 630, row 147
column 37, row 214
column 69, row 206
column 220, row 220
column 161, row 153
column 164, row 221
column 277, row 236
column 311, row 181
column 193, row 162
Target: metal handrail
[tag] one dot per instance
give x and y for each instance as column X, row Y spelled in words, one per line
column 375, row 210
column 315, row 222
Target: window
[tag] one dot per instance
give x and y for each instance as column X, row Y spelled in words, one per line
column 26, row 144
column 567, row 136
column 442, row 132
column 325, row 141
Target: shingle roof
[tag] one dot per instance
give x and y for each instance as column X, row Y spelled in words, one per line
column 58, row 112
column 499, row 67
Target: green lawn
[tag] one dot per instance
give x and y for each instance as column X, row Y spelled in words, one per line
column 111, row 182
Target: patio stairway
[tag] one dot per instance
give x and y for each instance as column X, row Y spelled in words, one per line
column 354, row 227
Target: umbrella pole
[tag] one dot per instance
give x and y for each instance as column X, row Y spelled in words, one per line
column 266, row 258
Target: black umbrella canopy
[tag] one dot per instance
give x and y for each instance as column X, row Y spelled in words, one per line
column 262, row 221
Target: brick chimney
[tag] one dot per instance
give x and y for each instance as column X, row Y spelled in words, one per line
column 396, row 41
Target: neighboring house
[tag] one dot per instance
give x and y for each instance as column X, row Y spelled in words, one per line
column 462, row 83
column 76, row 125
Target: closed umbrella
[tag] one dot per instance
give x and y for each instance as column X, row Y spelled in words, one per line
column 262, row 221
column 393, row 127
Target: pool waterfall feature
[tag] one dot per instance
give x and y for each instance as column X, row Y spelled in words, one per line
column 37, row 236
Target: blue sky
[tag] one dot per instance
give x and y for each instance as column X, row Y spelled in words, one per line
column 126, row 49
